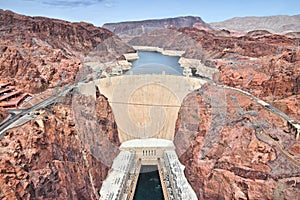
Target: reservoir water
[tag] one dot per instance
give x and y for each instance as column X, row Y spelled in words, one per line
column 148, row 186
column 155, row 63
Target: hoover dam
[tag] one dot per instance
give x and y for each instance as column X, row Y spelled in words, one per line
column 146, row 108
column 89, row 113
column 145, row 104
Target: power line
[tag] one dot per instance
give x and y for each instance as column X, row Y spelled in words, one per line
column 168, row 105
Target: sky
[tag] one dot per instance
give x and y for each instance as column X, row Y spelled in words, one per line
column 99, row 12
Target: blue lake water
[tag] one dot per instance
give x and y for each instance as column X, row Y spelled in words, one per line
column 155, row 63
column 148, row 186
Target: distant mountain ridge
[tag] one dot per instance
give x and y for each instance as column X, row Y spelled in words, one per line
column 144, row 26
column 274, row 24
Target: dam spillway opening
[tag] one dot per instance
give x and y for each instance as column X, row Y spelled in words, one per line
column 148, row 184
column 122, row 181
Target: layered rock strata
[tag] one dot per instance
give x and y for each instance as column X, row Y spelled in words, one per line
column 40, row 53
column 48, row 159
column 238, row 149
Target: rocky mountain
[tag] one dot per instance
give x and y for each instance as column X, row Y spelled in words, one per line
column 231, row 146
column 48, row 159
column 293, row 34
column 267, row 66
column 171, row 39
column 262, row 63
column 37, row 53
column 140, row 27
column 274, row 24
column 238, row 150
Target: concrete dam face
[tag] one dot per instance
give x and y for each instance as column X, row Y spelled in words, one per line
column 145, row 108
column 147, row 105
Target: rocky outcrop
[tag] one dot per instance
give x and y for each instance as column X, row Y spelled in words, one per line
column 274, row 24
column 285, row 78
column 111, row 49
column 135, row 28
column 46, row 158
column 199, row 44
column 237, row 150
column 265, row 66
column 289, row 105
column 258, row 33
column 276, row 77
column 80, row 37
column 293, row 34
column 170, row 39
column 228, row 47
column 3, row 114
column 41, row 53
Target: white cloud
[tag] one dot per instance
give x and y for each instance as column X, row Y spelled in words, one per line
column 68, row 3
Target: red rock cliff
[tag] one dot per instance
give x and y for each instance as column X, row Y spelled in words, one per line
column 40, row 53
column 47, row 159
column 267, row 66
column 235, row 149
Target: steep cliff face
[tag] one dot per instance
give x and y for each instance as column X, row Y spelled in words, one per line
column 239, row 150
column 145, row 26
column 272, row 78
column 225, row 47
column 170, row 39
column 57, row 33
column 289, row 105
column 47, row 159
column 284, row 74
column 266, row 65
column 40, row 53
column 216, row 45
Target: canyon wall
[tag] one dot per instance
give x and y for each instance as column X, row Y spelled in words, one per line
column 47, row 158
column 40, row 53
column 238, row 149
column 266, row 66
